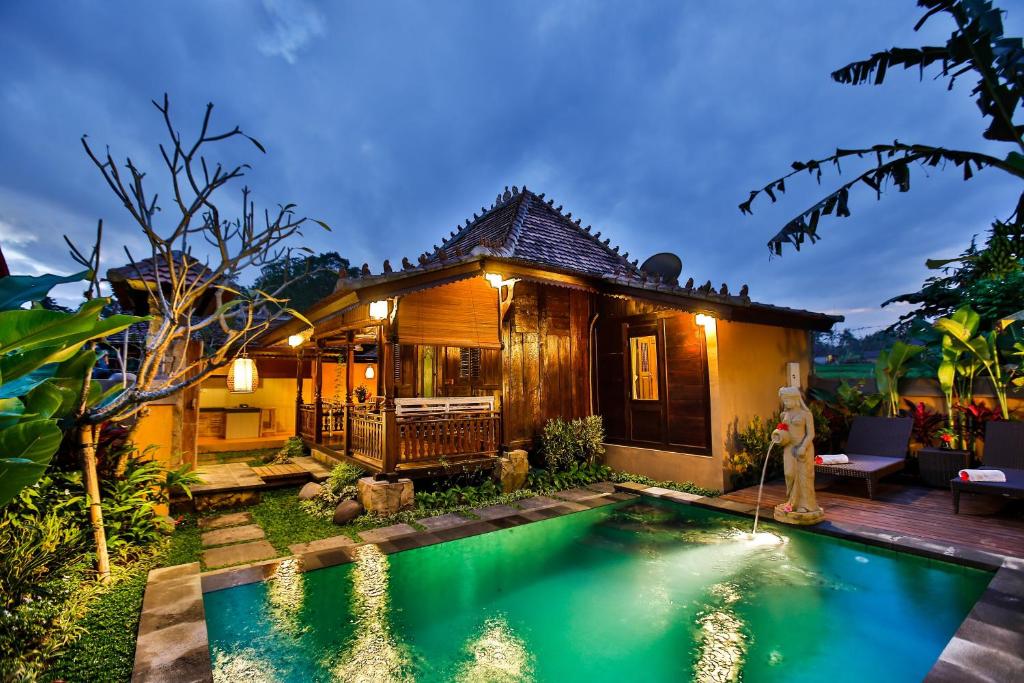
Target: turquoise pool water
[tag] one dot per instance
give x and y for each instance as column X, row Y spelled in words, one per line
column 637, row 591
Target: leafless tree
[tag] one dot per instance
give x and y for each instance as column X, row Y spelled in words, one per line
column 199, row 250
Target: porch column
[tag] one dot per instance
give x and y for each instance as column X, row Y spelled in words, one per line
column 318, row 399
column 386, row 389
column 350, row 361
column 298, row 392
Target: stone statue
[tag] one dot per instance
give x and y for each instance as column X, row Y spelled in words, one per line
column 795, row 434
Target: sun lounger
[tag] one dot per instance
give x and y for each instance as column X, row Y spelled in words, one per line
column 877, row 446
column 1004, row 450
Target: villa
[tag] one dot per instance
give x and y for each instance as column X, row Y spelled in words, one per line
column 519, row 316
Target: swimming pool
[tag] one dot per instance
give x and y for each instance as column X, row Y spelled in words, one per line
column 641, row 590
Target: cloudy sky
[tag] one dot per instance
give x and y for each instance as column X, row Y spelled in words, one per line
column 394, row 121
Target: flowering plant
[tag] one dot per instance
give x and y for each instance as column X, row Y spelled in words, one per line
column 947, row 437
column 783, row 426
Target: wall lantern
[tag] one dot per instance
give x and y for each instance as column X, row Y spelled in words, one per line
column 295, row 340
column 378, row 310
column 243, row 376
column 706, row 321
column 495, row 279
column 370, row 374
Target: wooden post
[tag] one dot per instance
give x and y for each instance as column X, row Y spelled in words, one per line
column 381, row 343
column 298, row 393
column 386, row 361
column 350, row 362
column 318, row 398
column 389, row 438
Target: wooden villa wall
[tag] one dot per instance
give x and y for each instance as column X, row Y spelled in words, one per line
column 546, row 359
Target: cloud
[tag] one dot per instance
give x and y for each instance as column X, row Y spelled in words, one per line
column 294, row 24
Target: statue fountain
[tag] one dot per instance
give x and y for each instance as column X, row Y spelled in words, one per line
column 795, row 435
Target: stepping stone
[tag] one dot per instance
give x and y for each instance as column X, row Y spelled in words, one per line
column 602, row 487
column 537, row 503
column 238, row 554
column 234, row 534
column 386, row 533
column 681, row 496
column 220, row 521
column 322, row 544
column 576, row 494
column 448, row 521
column 494, row 512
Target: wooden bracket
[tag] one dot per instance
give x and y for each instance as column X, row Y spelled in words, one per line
column 505, row 297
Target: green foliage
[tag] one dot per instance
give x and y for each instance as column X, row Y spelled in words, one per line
column 976, row 48
column 960, row 330
column 285, row 520
column 891, row 366
column 455, row 497
column 293, row 448
column 564, row 442
column 685, row 486
column 744, row 461
column 315, row 277
column 43, row 367
column 340, row 485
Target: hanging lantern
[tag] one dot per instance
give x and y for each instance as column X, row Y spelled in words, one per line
column 243, row 376
column 370, row 374
column 378, row 310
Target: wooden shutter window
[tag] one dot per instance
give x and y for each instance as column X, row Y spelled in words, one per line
column 462, row 314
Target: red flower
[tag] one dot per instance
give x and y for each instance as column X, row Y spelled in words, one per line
column 783, row 426
column 947, row 437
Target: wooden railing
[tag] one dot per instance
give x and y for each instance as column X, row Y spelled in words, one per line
column 333, row 419
column 367, row 436
column 453, row 434
column 307, row 420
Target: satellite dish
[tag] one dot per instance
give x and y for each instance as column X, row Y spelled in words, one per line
column 666, row 264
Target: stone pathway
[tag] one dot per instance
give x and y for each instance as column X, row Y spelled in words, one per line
column 233, row 538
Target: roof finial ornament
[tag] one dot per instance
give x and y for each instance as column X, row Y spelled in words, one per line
column 515, row 190
column 616, row 249
column 597, row 235
column 551, row 202
column 423, row 259
column 607, row 241
column 365, row 271
column 689, row 285
column 475, row 216
column 587, row 229
column 578, row 221
column 497, row 200
column 467, row 222
column 706, row 287
column 387, row 266
column 559, row 209
column 745, row 292
column 442, row 254
column 406, row 263
column 724, row 291
column 507, row 196
column 569, row 215
column 540, row 196
column 458, row 250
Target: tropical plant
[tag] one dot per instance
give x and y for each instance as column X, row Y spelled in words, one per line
column 747, row 457
column 45, row 374
column 564, row 442
column 976, row 47
column 971, row 423
column 340, row 485
column 293, row 448
column 573, row 475
column 983, row 348
column 891, row 366
column 927, row 422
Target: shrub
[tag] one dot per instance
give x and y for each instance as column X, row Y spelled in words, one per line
column 579, row 441
column 293, row 448
column 750, row 449
column 339, row 485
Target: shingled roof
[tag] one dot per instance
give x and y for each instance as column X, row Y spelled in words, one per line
column 522, row 225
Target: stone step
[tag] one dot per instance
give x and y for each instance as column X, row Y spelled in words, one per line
column 220, row 521
column 238, row 554
column 322, row 544
column 233, row 534
column 386, row 533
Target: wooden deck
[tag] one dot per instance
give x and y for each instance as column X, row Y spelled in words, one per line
column 985, row 523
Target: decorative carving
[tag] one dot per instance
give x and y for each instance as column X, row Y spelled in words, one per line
column 387, row 266
column 406, row 263
column 365, row 272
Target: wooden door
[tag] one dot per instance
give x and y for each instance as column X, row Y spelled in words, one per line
column 644, row 353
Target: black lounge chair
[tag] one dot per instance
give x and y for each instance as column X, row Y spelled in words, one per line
column 1004, row 450
column 877, row 446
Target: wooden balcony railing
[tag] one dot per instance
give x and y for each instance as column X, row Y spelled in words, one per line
column 384, row 440
column 367, row 436
column 447, row 435
column 307, row 421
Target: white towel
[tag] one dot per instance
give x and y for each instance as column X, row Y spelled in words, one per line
column 836, row 459
column 982, row 475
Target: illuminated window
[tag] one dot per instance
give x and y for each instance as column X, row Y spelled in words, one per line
column 643, row 355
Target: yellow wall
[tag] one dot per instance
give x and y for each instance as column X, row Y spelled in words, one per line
column 273, row 392
column 154, row 428
column 334, row 381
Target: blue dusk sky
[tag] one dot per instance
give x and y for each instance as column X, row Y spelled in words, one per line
column 394, row 121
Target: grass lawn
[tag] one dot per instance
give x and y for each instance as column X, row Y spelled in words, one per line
column 845, row 371
column 254, row 457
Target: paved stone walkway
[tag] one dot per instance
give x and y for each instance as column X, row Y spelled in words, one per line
column 233, row 538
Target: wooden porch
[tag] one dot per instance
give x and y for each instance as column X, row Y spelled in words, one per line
column 436, row 434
